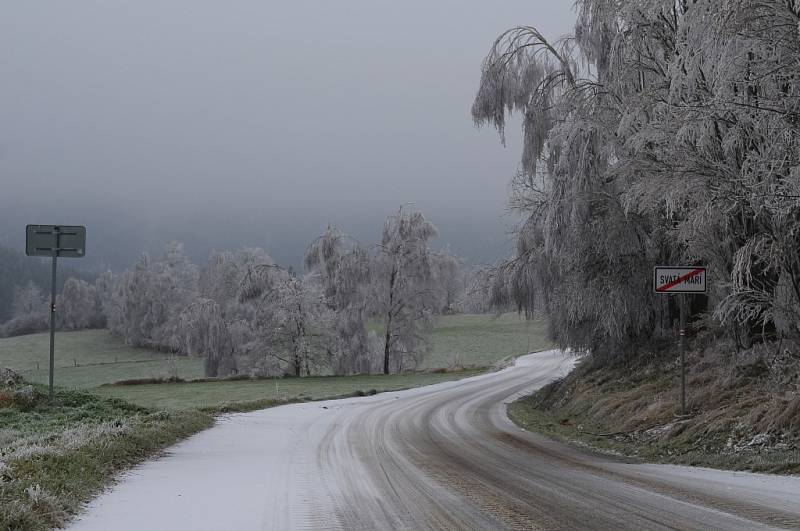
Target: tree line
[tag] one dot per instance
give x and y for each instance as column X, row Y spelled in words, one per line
column 660, row 132
column 18, row 270
column 354, row 309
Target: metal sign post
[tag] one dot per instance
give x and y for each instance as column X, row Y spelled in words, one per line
column 53, row 319
column 680, row 281
column 54, row 241
column 682, row 340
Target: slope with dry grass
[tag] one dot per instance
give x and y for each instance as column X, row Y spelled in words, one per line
column 743, row 407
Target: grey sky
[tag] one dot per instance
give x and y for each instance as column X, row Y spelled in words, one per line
column 252, row 122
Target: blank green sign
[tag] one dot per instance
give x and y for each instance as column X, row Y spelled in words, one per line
column 59, row 240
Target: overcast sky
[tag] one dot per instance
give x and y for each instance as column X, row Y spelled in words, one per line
column 253, row 122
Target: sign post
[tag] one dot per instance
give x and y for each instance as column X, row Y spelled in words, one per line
column 680, row 281
column 54, row 241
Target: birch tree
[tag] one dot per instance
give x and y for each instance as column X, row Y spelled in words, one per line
column 662, row 131
column 30, row 311
column 203, row 332
column 29, row 299
column 404, row 295
column 448, row 281
column 220, row 281
column 103, row 291
column 150, row 297
column 291, row 315
column 344, row 272
column 77, row 305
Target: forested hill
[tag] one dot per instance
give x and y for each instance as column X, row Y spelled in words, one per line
column 17, row 270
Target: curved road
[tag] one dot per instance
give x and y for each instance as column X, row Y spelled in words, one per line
column 439, row 457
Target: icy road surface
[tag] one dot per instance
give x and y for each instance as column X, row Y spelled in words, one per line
column 438, row 457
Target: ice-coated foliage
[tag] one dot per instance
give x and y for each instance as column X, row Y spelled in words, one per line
column 29, row 299
column 242, row 313
column 77, row 306
column 148, row 299
column 203, row 332
column 404, row 288
column 30, row 313
column 400, row 283
column 344, row 272
column 293, row 322
column 476, row 296
column 661, row 132
column 449, row 281
column 172, row 304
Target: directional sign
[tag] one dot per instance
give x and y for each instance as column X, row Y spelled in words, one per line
column 672, row 279
column 55, row 240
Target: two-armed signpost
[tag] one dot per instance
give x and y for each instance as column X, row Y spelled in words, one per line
column 54, row 241
column 680, row 280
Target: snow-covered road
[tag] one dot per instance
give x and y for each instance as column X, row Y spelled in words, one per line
column 438, row 457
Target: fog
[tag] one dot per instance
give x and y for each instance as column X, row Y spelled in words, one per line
column 224, row 124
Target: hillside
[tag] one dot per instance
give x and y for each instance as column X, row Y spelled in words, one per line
column 743, row 408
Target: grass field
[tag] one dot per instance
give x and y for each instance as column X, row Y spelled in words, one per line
column 87, row 359
column 482, row 340
column 237, row 394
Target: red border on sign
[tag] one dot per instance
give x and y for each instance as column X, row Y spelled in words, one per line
column 690, row 274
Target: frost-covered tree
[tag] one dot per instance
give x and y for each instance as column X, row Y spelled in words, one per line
column 220, row 280
column 662, row 131
column 103, row 291
column 578, row 248
column 30, row 311
column 476, row 296
column 149, row 298
column 448, row 281
column 29, row 299
column 404, row 295
column 223, row 273
column 292, row 318
column 203, row 332
column 344, row 271
column 77, row 306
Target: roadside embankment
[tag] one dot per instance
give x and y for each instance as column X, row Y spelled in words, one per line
column 743, row 408
column 55, row 457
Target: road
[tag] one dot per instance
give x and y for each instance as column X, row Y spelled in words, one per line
column 439, row 457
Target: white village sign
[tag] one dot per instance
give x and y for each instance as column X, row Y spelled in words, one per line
column 676, row 280
column 680, row 279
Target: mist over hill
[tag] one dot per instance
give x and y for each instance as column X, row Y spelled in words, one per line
column 114, row 240
column 256, row 125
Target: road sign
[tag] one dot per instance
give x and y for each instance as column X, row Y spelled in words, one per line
column 55, row 240
column 670, row 279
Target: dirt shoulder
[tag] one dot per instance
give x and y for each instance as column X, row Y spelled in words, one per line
column 743, row 408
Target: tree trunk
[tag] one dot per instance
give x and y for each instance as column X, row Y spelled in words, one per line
column 387, row 342
column 386, row 348
column 298, row 365
column 211, row 367
column 301, row 335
